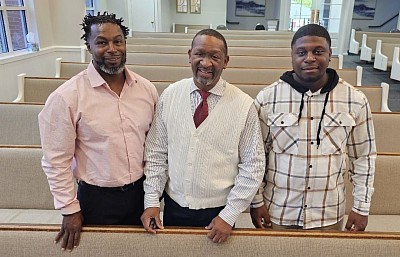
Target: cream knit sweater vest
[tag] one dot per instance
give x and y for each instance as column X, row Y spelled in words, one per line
column 203, row 162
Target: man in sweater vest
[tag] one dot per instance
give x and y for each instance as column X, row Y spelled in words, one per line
column 204, row 151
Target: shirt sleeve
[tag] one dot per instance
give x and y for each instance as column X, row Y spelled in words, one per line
column 57, row 132
column 362, row 156
column 251, row 169
column 156, row 159
column 258, row 199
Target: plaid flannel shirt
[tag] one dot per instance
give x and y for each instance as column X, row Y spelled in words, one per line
column 303, row 183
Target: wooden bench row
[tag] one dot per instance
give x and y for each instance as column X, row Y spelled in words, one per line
column 21, row 166
column 356, row 38
column 231, row 36
column 19, row 124
column 262, row 76
column 233, row 50
column 283, row 43
column 37, row 89
column 29, row 240
column 182, row 59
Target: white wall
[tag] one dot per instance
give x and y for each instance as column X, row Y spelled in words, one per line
column 166, row 10
column 66, row 15
column 212, row 12
column 384, row 10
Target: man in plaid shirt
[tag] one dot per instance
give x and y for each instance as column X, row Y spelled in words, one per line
column 315, row 126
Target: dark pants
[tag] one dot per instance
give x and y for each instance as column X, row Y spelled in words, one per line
column 111, row 206
column 175, row 215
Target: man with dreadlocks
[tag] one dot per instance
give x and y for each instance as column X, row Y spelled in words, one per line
column 312, row 123
column 93, row 129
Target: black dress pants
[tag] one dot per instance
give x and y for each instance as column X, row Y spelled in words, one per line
column 111, row 206
column 175, row 215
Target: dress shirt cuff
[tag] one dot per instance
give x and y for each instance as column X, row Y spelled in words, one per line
column 229, row 215
column 361, row 208
column 72, row 208
column 151, row 200
column 257, row 201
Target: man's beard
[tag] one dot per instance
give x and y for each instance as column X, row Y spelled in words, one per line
column 112, row 70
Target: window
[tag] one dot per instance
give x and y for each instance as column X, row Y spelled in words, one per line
column 300, row 13
column 90, row 7
column 13, row 26
column 331, row 11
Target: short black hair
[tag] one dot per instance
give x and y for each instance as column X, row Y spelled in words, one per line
column 213, row 33
column 89, row 20
column 311, row 30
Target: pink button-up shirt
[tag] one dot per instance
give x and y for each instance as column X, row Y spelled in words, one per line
column 90, row 133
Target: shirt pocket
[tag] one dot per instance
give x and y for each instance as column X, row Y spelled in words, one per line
column 337, row 127
column 284, row 132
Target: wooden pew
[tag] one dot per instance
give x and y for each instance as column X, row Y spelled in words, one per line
column 30, row 240
column 19, row 123
column 233, row 75
column 384, row 55
column 386, row 126
column 368, row 45
column 284, row 43
column 233, row 50
column 234, row 61
column 138, row 34
column 183, row 28
column 356, row 38
column 248, row 32
column 395, row 72
column 37, row 89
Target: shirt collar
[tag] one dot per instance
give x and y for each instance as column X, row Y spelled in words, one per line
column 218, row 89
column 97, row 80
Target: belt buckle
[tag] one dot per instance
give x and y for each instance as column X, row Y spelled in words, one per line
column 126, row 187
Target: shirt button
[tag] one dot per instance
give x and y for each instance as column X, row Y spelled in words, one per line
column 310, row 166
column 312, row 142
column 282, row 122
column 308, row 187
column 312, row 118
column 305, row 206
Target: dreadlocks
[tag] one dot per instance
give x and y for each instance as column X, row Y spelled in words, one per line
column 89, row 20
column 311, row 30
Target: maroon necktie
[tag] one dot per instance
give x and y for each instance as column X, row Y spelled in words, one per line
column 201, row 112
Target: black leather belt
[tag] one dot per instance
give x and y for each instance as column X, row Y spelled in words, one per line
column 119, row 188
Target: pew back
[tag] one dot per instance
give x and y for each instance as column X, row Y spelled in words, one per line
column 234, row 61
column 233, row 50
column 386, row 133
column 387, row 179
column 24, row 184
column 233, row 75
column 19, row 124
column 138, row 34
column 284, row 43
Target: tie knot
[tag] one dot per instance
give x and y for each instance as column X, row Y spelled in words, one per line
column 204, row 94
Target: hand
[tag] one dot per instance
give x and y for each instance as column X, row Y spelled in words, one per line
column 356, row 222
column 220, row 230
column 70, row 231
column 151, row 219
column 260, row 217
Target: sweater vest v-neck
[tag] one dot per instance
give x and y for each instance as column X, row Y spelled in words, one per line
column 203, row 162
